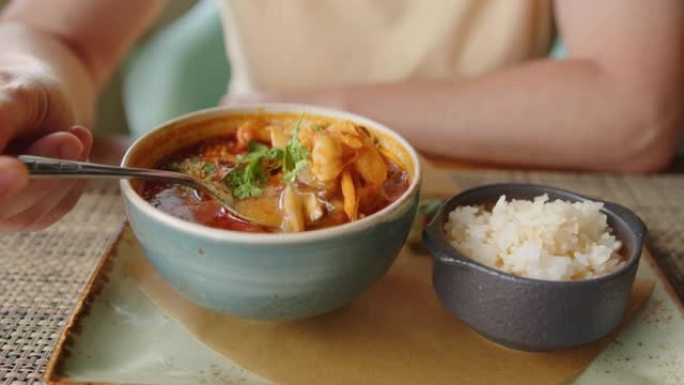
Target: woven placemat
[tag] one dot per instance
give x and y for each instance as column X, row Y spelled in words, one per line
column 42, row 274
column 41, row 277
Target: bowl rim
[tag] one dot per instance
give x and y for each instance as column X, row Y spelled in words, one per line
column 272, row 238
column 435, row 240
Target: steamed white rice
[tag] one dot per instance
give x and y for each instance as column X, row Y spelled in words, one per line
column 551, row 240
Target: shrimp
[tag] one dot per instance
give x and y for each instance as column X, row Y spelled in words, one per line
column 251, row 130
column 326, row 157
column 293, row 213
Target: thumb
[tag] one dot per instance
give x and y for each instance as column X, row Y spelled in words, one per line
column 14, row 175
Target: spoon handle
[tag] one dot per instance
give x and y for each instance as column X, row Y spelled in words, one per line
column 49, row 167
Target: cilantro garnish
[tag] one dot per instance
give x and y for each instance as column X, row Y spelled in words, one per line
column 209, row 170
column 246, row 181
column 295, row 156
column 249, row 175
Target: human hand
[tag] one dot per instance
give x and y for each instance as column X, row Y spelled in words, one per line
column 36, row 118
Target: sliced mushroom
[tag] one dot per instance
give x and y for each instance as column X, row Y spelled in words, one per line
column 293, row 214
column 371, row 166
column 313, row 208
column 347, row 133
column 351, row 203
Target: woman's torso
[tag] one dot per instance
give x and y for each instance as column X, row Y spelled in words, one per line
column 294, row 44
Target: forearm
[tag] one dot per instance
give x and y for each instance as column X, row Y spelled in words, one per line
column 567, row 114
column 615, row 104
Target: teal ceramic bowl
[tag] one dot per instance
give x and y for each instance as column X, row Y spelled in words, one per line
column 267, row 276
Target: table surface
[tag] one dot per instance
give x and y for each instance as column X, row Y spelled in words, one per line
column 42, row 274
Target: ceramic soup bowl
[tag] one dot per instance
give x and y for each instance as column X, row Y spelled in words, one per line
column 267, row 276
column 525, row 313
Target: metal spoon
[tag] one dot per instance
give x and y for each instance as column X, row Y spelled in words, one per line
column 49, row 167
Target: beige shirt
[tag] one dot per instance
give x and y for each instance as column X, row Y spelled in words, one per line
column 295, row 44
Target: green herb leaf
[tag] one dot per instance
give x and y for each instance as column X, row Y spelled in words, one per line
column 245, row 182
column 295, row 156
column 291, row 175
column 275, row 154
column 209, row 170
column 429, row 206
column 249, row 176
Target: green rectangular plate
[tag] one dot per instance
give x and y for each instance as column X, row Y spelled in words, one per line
column 118, row 336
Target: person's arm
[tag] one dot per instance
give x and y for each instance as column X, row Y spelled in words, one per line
column 56, row 55
column 614, row 104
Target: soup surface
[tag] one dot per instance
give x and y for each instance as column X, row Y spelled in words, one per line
column 298, row 174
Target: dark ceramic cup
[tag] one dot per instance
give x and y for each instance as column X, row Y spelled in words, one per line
column 525, row 313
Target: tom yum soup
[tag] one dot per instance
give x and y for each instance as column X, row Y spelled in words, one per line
column 302, row 174
column 552, row 240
